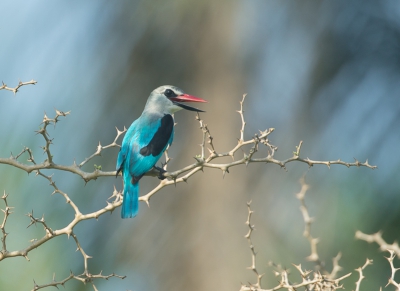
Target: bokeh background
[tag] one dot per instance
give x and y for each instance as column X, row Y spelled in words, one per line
column 327, row 73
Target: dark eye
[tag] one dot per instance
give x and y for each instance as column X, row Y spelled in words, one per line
column 169, row 93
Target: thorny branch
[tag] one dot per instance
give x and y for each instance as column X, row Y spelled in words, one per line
column 308, row 220
column 393, row 250
column 361, row 275
column 181, row 175
column 7, row 212
column 251, row 246
column 310, row 280
column 260, row 139
column 15, row 89
column 86, row 276
column 377, row 238
column 322, row 282
column 328, row 281
column 392, row 281
column 100, row 147
column 176, row 176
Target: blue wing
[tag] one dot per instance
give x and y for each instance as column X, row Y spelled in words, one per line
column 144, row 143
column 149, row 143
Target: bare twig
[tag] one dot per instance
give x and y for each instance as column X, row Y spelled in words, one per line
column 360, row 271
column 100, row 147
column 86, row 276
column 336, row 267
column 393, row 249
column 251, row 246
column 241, row 112
column 377, row 238
column 7, row 211
column 182, row 175
column 310, row 280
column 308, row 220
column 44, row 133
column 15, row 89
column 392, row 281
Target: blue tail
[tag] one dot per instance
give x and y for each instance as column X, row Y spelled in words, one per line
column 130, row 204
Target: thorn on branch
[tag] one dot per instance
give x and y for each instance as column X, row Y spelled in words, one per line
column 298, row 148
column 15, row 89
column 7, row 211
column 360, row 272
column 99, row 148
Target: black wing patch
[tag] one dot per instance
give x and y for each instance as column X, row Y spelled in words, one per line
column 160, row 138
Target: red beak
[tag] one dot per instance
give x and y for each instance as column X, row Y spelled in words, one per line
column 187, row 98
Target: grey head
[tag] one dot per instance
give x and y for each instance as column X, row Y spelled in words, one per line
column 168, row 99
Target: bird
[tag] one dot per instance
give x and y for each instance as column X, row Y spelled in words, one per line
column 146, row 140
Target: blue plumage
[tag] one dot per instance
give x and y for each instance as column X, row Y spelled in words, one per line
column 146, row 140
column 130, row 206
column 133, row 164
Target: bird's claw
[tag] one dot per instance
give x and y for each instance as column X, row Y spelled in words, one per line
column 161, row 172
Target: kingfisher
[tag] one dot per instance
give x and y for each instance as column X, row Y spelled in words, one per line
column 146, row 140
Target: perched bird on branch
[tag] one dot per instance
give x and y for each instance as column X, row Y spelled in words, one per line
column 146, row 140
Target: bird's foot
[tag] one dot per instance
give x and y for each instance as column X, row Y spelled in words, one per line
column 161, row 172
